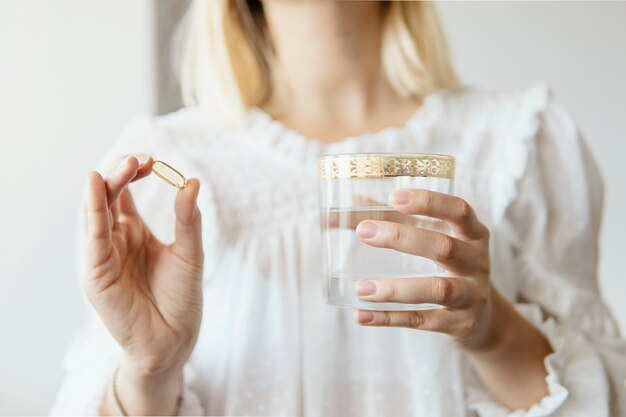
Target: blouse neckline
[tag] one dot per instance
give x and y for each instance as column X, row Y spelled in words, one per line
column 282, row 136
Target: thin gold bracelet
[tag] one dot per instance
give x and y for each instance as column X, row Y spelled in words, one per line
column 120, row 406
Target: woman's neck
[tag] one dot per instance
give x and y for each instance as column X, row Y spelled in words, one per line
column 329, row 63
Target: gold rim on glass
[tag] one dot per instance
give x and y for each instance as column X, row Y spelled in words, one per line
column 382, row 165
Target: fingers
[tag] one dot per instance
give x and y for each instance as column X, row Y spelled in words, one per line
column 350, row 219
column 435, row 320
column 188, row 222
column 452, row 253
column 145, row 166
column 100, row 209
column 446, row 291
column 127, row 204
column 120, row 177
column 98, row 221
column 456, row 323
column 442, row 206
column 129, row 169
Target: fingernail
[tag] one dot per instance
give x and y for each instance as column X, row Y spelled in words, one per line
column 142, row 158
column 365, row 287
column 366, row 230
column 364, row 316
column 400, row 197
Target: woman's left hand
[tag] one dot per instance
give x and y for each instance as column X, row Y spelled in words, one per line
column 466, row 294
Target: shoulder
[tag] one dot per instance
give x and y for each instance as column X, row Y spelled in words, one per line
column 506, row 119
column 508, row 114
column 501, row 131
column 184, row 128
column 496, row 107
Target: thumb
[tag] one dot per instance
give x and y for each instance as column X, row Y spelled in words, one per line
column 188, row 233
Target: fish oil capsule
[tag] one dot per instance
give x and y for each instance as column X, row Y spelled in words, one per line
column 169, row 174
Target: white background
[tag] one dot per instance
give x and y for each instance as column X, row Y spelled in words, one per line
column 72, row 72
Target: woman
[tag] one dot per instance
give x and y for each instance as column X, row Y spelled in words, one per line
column 229, row 318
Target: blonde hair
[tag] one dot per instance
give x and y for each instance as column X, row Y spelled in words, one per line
column 227, row 57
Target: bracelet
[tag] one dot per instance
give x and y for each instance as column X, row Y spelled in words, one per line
column 120, row 406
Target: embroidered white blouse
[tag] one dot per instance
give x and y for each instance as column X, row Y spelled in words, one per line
column 269, row 345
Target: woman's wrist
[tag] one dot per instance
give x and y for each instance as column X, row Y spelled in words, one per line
column 146, row 393
column 512, row 349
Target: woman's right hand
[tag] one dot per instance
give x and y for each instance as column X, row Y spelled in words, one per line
column 148, row 294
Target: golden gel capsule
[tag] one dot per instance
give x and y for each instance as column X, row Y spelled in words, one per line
column 169, row 174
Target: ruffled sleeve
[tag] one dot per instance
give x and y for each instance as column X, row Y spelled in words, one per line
column 93, row 354
column 553, row 218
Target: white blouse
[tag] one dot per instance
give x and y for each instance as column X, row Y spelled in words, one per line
column 269, row 345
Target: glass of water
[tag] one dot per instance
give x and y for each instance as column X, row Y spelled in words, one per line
column 356, row 187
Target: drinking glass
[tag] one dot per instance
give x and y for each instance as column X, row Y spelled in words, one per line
column 356, row 187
